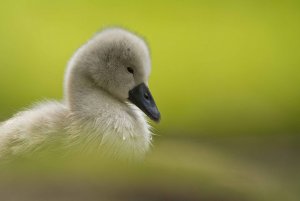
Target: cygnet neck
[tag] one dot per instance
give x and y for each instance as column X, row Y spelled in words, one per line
column 84, row 97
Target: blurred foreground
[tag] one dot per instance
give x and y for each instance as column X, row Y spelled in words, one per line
column 208, row 169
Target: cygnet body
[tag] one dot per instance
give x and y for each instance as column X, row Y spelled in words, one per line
column 106, row 99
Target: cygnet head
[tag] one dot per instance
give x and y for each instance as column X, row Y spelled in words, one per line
column 118, row 62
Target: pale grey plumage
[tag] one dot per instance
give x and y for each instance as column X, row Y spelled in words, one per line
column 95, row 106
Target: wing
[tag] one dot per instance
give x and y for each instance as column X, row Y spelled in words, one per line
column 29, row 129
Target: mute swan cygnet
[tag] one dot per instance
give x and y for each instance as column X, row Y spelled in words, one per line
column 106, row 97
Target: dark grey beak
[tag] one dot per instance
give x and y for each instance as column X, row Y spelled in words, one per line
column 142, row 98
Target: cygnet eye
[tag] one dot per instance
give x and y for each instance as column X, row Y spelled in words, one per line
column 130, row 70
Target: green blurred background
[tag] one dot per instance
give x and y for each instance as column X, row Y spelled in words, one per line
column 225, row 76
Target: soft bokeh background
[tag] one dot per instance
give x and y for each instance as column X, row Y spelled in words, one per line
column 226, row 77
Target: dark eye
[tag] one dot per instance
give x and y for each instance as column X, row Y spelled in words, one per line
column 130, row 70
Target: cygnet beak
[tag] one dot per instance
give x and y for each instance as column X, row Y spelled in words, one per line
column 142, row 98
